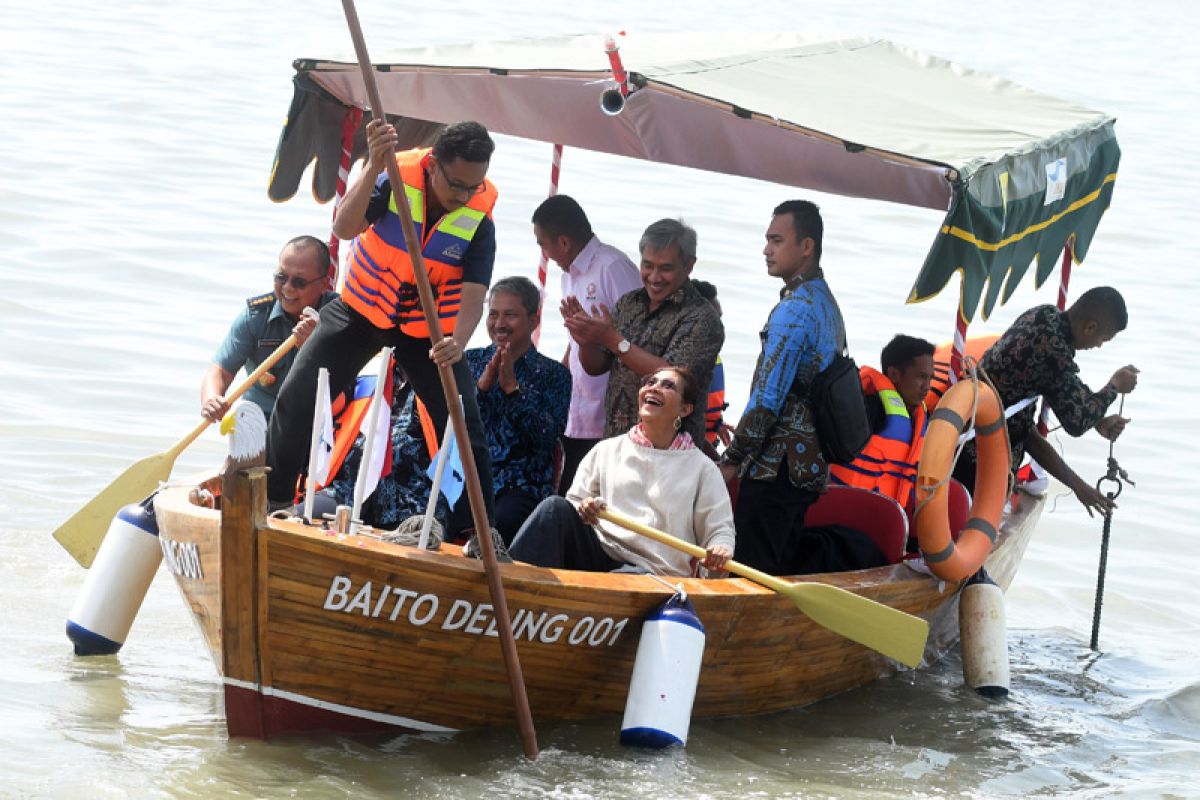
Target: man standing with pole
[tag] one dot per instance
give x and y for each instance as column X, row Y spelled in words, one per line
column 480, row 502
column 451, row 202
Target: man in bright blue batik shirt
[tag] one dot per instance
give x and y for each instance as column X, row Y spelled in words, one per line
column 775, row 450
column 523, row 401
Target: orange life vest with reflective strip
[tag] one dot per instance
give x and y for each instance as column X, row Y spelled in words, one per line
column 888, row 464
column 716, row 403
column 379, row 280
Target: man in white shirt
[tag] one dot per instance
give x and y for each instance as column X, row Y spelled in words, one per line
column 595, row 274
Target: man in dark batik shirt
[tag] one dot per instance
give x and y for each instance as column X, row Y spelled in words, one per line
column 664, row 323
column 523, row 400
column 775, row 450
column 1036, row 356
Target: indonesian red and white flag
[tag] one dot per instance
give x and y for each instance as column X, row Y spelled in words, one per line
column 377, row 444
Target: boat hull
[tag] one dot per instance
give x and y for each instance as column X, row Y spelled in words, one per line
column 314, row 631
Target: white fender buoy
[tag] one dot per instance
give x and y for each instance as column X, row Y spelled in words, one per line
column 984, row 636
column 117, row 582
column 658, row 709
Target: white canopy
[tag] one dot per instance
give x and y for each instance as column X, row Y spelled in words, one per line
column 859, row 117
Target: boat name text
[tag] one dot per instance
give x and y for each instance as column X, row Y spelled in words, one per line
column 396, row 603
column 182, row 558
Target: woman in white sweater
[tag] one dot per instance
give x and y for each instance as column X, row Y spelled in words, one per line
column 654, row 474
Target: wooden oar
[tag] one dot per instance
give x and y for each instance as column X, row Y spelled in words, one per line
column 82, row 534
column 491, row 568
column 888, row 630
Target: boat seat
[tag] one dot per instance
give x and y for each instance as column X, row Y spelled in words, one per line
column 958, row 506
column 876, row 515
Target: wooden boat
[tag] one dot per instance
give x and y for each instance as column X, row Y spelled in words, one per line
column 315, row 631
column 310, row 630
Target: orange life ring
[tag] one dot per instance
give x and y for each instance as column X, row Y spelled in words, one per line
column 947, row 559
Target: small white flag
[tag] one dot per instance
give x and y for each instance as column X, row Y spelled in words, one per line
column 381, row 436
column 324, row 448
column 320, row 451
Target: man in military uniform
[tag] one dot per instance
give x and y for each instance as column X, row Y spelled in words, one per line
column 264, row 324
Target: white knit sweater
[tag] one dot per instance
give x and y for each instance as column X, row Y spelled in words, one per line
column 677, row 491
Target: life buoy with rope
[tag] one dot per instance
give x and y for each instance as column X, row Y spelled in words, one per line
column 968, row 402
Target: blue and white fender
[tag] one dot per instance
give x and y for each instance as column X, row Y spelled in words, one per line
column 117, row 583
column 666, row 670
column 984, row 636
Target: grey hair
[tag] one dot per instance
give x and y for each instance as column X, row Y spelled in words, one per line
column 523, row 288
column 666, row 232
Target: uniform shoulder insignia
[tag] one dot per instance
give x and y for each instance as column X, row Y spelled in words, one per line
column 261, row 301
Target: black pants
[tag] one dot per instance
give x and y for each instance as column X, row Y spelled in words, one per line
column 513, row 507
column 768, row 519
column 555, row 536
column 573, row 451
column 343, row 343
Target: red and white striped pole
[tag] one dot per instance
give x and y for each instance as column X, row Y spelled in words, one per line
column 1063, row 282
column 959, row 345
column 350, row 124
column 555, row 167
column 613, row 51
column 1065, row 279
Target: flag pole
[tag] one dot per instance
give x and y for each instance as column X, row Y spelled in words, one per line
column 491, row 568
column 319, row 409
column 440, row 470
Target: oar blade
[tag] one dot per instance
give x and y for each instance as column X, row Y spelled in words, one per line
column 82, row 534
column 894, row 633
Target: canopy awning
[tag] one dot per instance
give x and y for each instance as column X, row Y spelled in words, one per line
column 1019, row 173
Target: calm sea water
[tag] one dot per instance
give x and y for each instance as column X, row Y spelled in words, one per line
column 135, row 146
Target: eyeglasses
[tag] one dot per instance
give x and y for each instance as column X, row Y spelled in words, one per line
column 458, row 187
column 296, row 281
column 651, row 381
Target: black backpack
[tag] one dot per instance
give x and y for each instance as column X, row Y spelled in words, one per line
column 840, row 410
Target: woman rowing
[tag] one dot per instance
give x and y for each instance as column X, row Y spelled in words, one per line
column 654, row 473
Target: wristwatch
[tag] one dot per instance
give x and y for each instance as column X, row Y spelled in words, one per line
column 623, row 346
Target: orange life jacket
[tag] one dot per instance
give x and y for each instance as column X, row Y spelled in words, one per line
column 888, row 463
column 379, row 282
column 716, row 403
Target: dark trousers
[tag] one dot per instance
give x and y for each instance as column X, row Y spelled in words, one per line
column 513, row 507
column 555, row 536
column 768, row 519
column 343, row 343
column 573, row 451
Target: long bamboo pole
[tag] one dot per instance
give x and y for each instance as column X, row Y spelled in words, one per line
column 491, row 568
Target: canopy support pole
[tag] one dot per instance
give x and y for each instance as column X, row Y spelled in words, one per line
column 555, row 167
column 350, row 124
column 1064, row 281
column 960, row 340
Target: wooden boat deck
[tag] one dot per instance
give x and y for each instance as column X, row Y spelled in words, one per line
column 314, row 630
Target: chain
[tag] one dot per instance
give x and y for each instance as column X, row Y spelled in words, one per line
column 1118, row 477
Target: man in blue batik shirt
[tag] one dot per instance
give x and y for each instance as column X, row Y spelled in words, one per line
column 775, row 450
column 523, row 401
